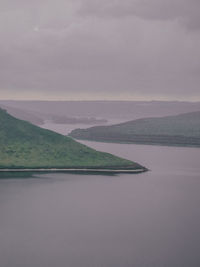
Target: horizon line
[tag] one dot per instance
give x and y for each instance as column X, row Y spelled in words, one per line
column 98, row 100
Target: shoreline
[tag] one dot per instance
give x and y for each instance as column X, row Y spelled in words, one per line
column 137, row 143
column 76, row 170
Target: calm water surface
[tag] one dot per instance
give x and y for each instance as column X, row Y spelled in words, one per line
column 67, row 220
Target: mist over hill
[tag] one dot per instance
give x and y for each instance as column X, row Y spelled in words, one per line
column 31, row 116
column 38, row 118
column 118, row 110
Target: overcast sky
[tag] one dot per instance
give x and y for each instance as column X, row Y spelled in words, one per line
column 100, row 49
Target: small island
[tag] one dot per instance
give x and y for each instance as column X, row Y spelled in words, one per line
column 26, row 147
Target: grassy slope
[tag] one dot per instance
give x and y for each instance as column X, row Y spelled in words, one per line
column 182, row 129
column 23, row 145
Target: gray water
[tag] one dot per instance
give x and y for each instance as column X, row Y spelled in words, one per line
column 69, row 220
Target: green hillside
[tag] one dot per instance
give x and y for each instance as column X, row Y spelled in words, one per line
column 23, row 145
column 183, row 129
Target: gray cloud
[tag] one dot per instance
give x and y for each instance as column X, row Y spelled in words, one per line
column 186, row 11
column 99, row 49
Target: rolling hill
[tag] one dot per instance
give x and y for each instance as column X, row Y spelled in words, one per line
column 24, row 146
column 180, row 130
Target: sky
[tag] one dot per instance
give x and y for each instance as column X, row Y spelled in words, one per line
column 100, row 49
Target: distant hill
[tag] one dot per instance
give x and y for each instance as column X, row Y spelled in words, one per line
column 24, row 115
column 62, row 119
column 182, row 130
column 38, row 118
column 23, row 145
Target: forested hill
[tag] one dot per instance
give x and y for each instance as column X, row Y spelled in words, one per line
column 183, row 129
column 23, row 145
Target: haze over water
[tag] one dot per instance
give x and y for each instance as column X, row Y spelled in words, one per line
column 151, row 219
column 81, row 61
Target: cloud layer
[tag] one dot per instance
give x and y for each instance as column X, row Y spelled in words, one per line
column 99, row 49
column 186, row 11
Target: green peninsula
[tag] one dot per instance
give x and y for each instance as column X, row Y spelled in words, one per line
column 26, row 146
column 179, row 130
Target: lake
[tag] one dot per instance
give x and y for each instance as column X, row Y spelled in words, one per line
column 135, row 220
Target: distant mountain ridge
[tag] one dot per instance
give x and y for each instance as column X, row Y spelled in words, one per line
column 182, row 129
column 120, row 110
column 24, row 145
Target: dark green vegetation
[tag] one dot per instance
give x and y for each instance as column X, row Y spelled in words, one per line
column 23, row 145
column 182, row 130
